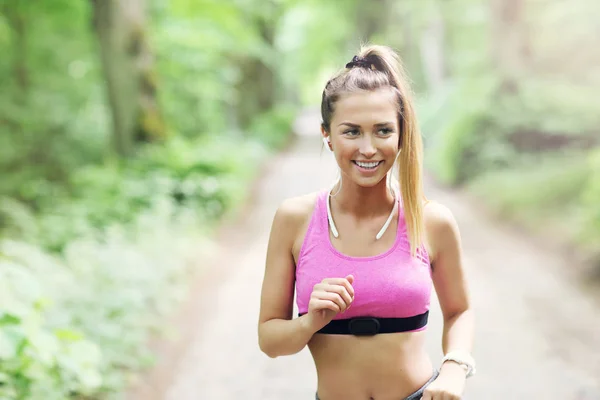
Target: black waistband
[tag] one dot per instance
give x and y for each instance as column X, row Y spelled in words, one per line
column 364, row 326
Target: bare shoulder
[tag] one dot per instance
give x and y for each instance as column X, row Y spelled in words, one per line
column 438, row 216
column 291, row 220
column 297, row 209
column 293, row 213
column 441, row 227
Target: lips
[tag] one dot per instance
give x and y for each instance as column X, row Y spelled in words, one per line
column 367, row 168
column 367, row 164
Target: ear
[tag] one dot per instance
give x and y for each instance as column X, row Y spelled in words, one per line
column 326, row 137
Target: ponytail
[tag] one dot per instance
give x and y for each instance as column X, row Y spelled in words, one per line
column 377, row 67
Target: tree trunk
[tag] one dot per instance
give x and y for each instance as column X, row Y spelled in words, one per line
column 258, row 85
column 510, row 41
column 15, row 16
column 128, row 66
column 432, row 52
column 371, row 18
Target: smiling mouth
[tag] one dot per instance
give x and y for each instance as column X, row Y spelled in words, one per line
column 367, row 165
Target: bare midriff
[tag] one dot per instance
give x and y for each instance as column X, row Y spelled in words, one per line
column 387, row 366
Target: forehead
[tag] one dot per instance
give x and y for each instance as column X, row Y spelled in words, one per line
column 366, row 108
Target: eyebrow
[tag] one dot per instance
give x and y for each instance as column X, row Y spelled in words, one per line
column 358, row 126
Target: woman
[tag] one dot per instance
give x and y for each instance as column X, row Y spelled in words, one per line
column 364, row 256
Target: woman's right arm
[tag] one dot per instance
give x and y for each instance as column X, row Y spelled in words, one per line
column 278, row 332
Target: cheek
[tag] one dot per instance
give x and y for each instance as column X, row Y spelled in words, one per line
column 391, row 147
column 395, row 143
column 343, row 149
column 342, row 157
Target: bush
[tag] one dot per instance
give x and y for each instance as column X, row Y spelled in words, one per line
column 273, row 128
column 38, row 361
column 83, row 280
column 473, row 126
column 206, row 176
column 457, row 132
column 554, row 194
column 535, row 186
column 551, row 106
column 74, row 324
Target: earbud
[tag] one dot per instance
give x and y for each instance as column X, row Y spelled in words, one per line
column 327, row 142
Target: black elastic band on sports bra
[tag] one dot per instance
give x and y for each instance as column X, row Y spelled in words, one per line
column 366, row 326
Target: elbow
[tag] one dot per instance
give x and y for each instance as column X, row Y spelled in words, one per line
column 268, row 352
column 265, row 347
column 460, row 313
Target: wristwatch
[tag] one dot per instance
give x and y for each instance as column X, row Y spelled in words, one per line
column 463, row 359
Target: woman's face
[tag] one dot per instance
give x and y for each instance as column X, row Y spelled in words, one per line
column 364, row 135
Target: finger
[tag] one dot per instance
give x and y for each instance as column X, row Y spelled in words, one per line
column 348, row 285
column 427, row 396
column 326, row 305
column 321, row 288
column 350, row 279
column 323, row 295
column 336, row 298
column 343, row 292
column 340, row 282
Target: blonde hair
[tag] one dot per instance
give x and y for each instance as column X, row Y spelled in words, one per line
column 377, row 67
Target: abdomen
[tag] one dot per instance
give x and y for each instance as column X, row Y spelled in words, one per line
column 381, row 366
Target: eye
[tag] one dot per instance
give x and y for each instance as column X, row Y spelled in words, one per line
column 351, row 132
column 385, row 131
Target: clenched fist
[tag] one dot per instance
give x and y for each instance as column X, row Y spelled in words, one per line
column 328, row 298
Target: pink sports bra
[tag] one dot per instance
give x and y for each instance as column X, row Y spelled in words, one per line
column 389, row 285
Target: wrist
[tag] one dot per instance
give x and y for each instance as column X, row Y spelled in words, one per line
column 307, row 325
column 454, row 369
column 462, row 360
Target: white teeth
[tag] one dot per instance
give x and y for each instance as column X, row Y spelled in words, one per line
column 367, row 165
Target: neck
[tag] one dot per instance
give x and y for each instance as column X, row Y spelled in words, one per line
column 363, row 202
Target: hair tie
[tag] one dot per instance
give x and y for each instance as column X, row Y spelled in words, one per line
column 361, row 62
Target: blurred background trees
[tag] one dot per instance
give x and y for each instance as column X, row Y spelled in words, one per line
column 127, row 127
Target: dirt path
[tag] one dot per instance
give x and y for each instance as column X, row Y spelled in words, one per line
column 535, row 329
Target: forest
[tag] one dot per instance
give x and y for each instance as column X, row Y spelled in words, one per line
column 129, row 129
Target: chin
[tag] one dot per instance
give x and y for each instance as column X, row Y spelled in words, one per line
column 368, row 182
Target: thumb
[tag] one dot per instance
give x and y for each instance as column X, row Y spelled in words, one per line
column 350, row 279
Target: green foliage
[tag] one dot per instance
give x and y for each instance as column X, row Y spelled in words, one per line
column 547, row 191
column 457, row 131
column 536, row 184
column 591, row 200
column 518, row 113
column 127, row 234
column 57, row 341
column 206, row 175
column 38, row 361
column 550, row 106
column 274, row 127
column 315, row 39
column 55, row 120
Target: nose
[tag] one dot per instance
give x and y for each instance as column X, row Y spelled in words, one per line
column 367, row 148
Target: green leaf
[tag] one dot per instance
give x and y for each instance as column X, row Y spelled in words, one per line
column 68, row 335
column 9, row 319
column 11, row 342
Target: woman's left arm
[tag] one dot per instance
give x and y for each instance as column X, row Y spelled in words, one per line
column 450, row 284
